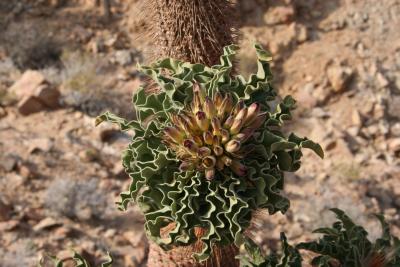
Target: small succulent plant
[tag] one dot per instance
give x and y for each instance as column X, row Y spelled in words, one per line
column 77, row 260
column 346, row 244
column 208, row 151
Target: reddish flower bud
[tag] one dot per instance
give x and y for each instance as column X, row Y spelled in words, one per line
column 236, row 126
column 210, row 174
column 209, row 162
column 174, row 134
column 252, row 113
column 238, row 168
column 208, row 138
column 202, row 121
column 209, row 108
column 232, row 146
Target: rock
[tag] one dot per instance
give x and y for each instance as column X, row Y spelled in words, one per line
column 8, row 225
column 48, row 96
column 122, row 57
column 29, row 81
column 46, row 224
column 395, row 129
column 356, row 118
column 3, row 112
column 339, row 77
column 40, row 144
column 302, row 33
column 29, row 105
column 381, row 80
column 394, row 145
column 35, row 93
column 5, row 211
column 135, row 238
column 279, row 15
column 394, row 106
column 305, row 97
column 9, row 162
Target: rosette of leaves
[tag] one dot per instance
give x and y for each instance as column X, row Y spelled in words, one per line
column 78, row 260
column 290, row 256
column 174, row 182
column 346, row 244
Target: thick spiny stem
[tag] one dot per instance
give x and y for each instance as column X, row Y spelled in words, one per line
column 192, row 30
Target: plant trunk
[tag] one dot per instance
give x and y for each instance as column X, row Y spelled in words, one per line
column 195, row 31
column 182, row 256
column 192, row 30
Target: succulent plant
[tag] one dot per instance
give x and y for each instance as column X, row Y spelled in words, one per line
column 77, row 260
column 290, row 256
column 345, row 244
column 208, row 151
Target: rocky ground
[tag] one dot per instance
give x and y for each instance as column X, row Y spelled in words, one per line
column 61, row 65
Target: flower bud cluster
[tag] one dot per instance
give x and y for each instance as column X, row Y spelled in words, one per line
column 211, row 134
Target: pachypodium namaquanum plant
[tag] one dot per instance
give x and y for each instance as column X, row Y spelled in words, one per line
column 208, row 151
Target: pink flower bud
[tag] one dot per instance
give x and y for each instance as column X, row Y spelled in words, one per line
column 236, row 126
column 241, row 115
column 232, row 146
column 186, row 166
column 209, row 162
column 225, row 136
column 218, row 99
column 208, row 138
column 238, row 168
column 210, row 174
column 252, row 113
column 209, row 108
column 174, row 134
column 204, row 152
column 216, row 125
column 260, row 119
column 218, row 150
column 229, row 121
column 202, row 121
column 190, row 145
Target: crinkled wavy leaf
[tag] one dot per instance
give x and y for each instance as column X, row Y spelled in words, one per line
column 347, row 243
column 79, row 261
column 290, row 256
column 222, row 206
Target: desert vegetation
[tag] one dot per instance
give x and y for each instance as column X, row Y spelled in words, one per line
column 216, row 167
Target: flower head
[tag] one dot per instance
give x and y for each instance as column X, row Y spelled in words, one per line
column 211, row 134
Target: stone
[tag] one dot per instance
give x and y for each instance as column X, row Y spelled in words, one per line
column 394, row 106
column 302, row 33
column 8, row 225
column 381, row 80
column 134, row 238
column 3, row 112
column 394, row 145
column 35, row 93
column 356, row 118
column 29, row 81
column 123, row 57
column 339, row 77
column 395, row 129
column 29, row 104
column 48, row 95
column 40, row 144
column 5, row 211
column 8, row 162
column 46, row 224
column 279, row 15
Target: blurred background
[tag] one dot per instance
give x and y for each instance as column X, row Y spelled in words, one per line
column 64, row 62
